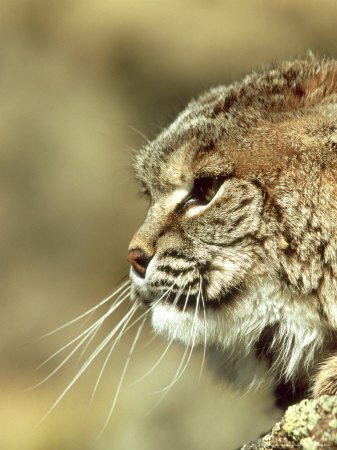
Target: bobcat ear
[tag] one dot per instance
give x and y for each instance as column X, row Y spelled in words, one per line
column 326, row 379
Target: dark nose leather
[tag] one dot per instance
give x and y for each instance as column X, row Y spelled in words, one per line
column 138, row 260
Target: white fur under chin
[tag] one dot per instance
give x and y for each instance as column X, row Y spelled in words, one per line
column 233, row 330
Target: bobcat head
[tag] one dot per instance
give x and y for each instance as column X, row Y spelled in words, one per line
column 238, row 251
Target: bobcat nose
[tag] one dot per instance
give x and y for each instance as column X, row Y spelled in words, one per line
column 139, row 260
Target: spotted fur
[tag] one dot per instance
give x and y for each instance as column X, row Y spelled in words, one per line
column 240, row 238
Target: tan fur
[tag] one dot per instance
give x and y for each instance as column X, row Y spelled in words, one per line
column 325, row 381
column 262, row 253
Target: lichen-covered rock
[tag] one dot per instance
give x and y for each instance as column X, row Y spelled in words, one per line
column 308, row 425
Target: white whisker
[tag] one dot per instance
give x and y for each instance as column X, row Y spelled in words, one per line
column 205, row 332
column 166, row 390
column 92, row 337
column 123, row 376
column 53, row 372
column 132, row 312
column 97, row 329
column 149, row 342
column 88, row 362
column 139, row 133
column 169, row 344
column 87, row 312
column 89, row 330
column 147, row 311
column 194, row 328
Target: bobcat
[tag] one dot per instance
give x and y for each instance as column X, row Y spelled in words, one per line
column 238, row 252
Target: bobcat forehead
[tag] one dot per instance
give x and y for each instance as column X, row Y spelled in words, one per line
column 252, row 127
column 164, row 176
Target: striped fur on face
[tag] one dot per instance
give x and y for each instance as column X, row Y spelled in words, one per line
column 238, row 249
column 198, row 254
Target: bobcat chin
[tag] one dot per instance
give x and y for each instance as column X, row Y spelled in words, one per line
column 238, row 251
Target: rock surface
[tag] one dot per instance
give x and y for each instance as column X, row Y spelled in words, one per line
column 308, row 425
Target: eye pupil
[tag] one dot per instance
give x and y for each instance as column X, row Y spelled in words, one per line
column 204, row 190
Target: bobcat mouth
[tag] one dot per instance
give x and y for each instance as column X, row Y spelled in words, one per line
column 193, row 300
column 186, row 301
column 191, row 294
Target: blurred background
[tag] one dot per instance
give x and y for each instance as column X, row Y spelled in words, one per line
column 77, row 80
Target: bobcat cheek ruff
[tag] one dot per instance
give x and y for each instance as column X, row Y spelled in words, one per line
column 240, row 237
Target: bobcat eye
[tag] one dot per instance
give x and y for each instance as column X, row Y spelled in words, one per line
column 204, row 190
